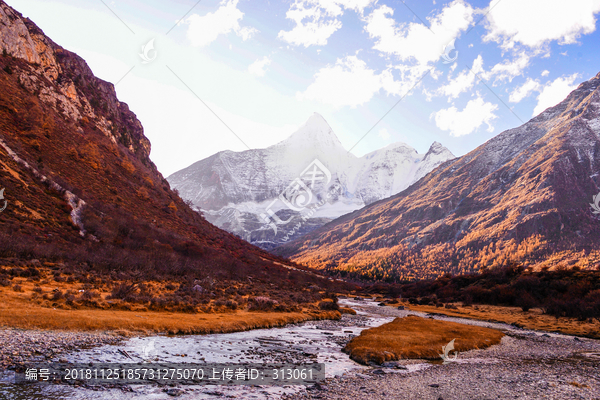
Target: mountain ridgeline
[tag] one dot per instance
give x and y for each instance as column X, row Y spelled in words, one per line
column 81, row 190
column 522, row 197
column 246, row 192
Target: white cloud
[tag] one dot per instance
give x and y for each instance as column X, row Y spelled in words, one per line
column 534, row 23
column 555, row 92
column 413, row 44
column 205, row 29
column 509, row 69
column 347, row 83
column 246, row 32
column 463, row 82
column 258, row 67
column 314, row 33
column 350, row 82
column 414, row 41
column 464, row 122
column 524, row 90
column 545, row 72
column 316, row 20
column 357, row 5
column 384, row 134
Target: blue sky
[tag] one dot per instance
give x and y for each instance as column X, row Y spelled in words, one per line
column 234, row 74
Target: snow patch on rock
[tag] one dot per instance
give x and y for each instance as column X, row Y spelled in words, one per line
column 75, row 202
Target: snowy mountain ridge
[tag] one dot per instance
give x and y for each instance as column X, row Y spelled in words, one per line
column 245, row 192
column 521, row 198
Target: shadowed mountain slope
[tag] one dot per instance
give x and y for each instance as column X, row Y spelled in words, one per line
column 80, row 186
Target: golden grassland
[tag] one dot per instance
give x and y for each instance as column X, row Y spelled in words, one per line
column 414, row 337
column 533, row 319
column 17, row 310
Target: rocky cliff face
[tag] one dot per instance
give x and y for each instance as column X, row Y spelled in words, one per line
column 524, row 197
column 78, row 182
column 245, row 193
column 63, row 80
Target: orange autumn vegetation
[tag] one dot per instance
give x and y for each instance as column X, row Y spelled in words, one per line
column 417, row 338
column 46, row 297
column 24, row 315
column 18, row 311
column 532, row 319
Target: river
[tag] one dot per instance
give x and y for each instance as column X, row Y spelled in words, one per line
column 309, row 342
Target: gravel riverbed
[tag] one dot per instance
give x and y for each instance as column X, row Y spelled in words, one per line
column 23, row 345
column 526, row 365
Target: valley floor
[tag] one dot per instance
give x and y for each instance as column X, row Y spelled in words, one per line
column 526, row 365
column 532, row 319
column 521, row 367
column 23, row 315
column 31, row 332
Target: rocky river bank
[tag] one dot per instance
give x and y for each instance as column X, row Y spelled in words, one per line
column 526, row 365
column 24, row 346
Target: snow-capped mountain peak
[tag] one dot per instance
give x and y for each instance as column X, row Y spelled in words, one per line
column 398, row 147
column 314, row 132
column 240, row 192
column 436, row 147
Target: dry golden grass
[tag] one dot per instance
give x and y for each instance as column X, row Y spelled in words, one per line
column 16, row 310
column 347, row 310
column 533, row 319
column 416, row 337
column 579, row 385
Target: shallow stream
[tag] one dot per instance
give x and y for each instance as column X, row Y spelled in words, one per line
column 309, row 342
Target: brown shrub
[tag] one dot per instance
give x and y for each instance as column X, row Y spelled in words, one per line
column 88, row 295
column 329, row 305
column 262, row 303
column 526, row 301
column 231, row 304
column 122, row 291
